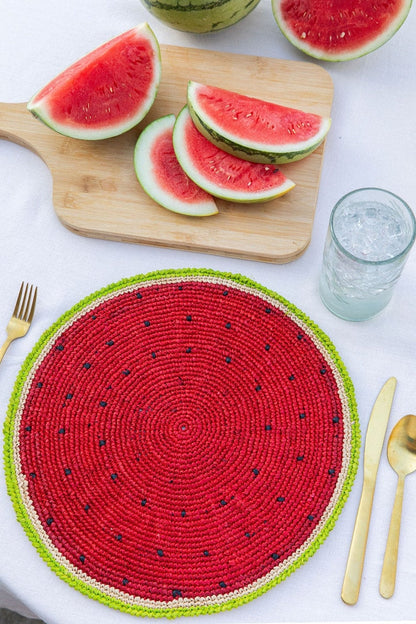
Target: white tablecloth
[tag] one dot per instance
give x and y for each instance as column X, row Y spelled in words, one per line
column 371, row 143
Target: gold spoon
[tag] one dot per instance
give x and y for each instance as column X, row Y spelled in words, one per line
column 401, row 452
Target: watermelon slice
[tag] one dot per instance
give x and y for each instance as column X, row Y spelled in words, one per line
column 106, row 92
column 341, row 30
column 221, row 174
column 161, row 175
column 254, row 129
column 200, row 16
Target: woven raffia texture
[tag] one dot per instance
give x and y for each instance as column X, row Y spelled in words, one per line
column 180, row 442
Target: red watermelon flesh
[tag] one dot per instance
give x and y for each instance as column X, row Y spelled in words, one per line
column 221, row 174
column 339, row 30
column 161, row 175
column 256, row 120
column 106, row 92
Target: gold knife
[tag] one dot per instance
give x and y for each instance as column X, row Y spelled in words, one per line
column 376, row 431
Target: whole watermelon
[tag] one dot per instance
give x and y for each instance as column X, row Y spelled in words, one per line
column 200, row 16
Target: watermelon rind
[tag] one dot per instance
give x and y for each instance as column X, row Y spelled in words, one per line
column 222, row 130
column 95, row 80
column 224, row 177
column 196, row 203
column 200, row 16
column 331, row 50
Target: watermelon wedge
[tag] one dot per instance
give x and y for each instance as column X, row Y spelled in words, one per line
column 254, row 129
column 221, row 174
column 161, row 175
column 105, row 93
column 341, row 30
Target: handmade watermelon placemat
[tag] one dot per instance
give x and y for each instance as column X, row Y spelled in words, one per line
column 180, row 442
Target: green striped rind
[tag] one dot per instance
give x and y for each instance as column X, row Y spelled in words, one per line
column 11, row 470
column 217, row 134
column 200, row 16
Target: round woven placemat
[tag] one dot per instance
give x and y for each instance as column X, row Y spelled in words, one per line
column 179, row 442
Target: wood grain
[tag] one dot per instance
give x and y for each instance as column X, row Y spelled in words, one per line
column 96, row 192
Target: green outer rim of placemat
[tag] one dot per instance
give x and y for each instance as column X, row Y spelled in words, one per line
column 13, row 487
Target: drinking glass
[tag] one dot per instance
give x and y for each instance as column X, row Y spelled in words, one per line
column 371, row 232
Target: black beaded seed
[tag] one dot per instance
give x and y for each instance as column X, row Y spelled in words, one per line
column 68, row 471
column 189, row 317
column 291, row 377
column 144, row 501
column 247, row 534
column 206, row 553
column 114, row 476
column 61, row 430
column 28, row 428
column 138, row 295
column 222, row 584
column 267, row 347
column 300, row 457
column 275, row 556
column 268, row 427
column 110, row 343
column 119, row 537
column 225, row 293
column 335, row 419
column 69, row 395
column 228, row 359
column 153, row 355
column 103, row 403
column 125, row 581
column 176, row 593
column 311, row 517
column 268, row 310
column 32, row 475
column 280, row 499
column 39, row 384
column 302, row 415
column 331, row 471
column 323, row 371
column 183, row 513
column 228, row 326
column 146, row 323
column 300, row 336
column 87, row 508
column 59, row 347
column 255, row 472
column 126, row 372
column 102, row 443
column 223, row 502
column 82, row 558
column 258, row 387
column 49, row 521
column 160, row 552
column 188, row 350
column 87, row 365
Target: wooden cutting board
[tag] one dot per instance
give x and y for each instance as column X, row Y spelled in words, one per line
column 96, row 192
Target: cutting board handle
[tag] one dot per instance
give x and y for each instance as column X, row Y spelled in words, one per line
column 19, row 126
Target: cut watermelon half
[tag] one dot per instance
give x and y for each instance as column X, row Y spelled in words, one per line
column 221, row 174
column 105, row 93
column 341, row 30
column 161, row 175
column 254, row 129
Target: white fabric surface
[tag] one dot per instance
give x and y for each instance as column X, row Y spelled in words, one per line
column 371, row 143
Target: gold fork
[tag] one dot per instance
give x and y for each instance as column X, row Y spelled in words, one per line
column 22, row 316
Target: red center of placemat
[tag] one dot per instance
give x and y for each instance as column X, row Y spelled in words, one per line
column 181, row 439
